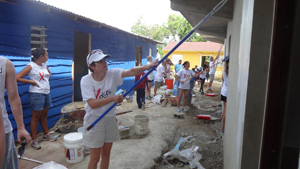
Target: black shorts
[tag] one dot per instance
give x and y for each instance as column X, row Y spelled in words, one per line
column 224, row 98
column 149, row 81
column 202, row 79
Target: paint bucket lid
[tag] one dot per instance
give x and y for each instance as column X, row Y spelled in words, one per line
column 73, row 137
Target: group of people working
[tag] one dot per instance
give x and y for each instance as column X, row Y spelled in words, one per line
column 98, row 91
column 183, row 75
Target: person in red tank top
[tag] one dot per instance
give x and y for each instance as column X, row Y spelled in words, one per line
column 140, row 90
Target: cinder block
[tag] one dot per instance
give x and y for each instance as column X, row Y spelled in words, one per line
column 123, row 131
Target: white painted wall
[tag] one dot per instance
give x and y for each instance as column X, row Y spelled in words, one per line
column 251, row 41
column 240, row 30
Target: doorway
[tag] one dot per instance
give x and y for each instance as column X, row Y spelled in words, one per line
column 205, row 60
column 138, row 56
column 82, row 46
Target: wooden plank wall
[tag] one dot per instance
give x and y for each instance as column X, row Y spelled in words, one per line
column 15, row 23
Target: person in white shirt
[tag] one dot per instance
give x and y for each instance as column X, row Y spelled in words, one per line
column 39, row 93
column 159, row 77
column 202, row 77
column 184, row 76
column 150, row 79
column 158, row 57
column 224, row 89
column 98, row 90
column 212, row 71
column 8, row 83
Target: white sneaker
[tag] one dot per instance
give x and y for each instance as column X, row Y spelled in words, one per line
column 177, row 110
column 183, row 109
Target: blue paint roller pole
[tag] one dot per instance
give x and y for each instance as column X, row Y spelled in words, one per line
column 216, row 8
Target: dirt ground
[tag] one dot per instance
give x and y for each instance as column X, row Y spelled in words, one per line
column 165, row 130
column 206, row 132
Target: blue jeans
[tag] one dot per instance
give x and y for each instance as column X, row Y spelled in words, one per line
column 177, row 85
column 39, row 101
column 140, row 98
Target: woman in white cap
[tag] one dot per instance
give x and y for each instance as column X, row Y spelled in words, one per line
column 98, row 91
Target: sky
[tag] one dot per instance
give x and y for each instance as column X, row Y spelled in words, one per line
column 118, row 13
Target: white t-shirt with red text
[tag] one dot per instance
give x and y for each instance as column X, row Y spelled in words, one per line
column 184, row 75
column 40, row 75
column 91, row 89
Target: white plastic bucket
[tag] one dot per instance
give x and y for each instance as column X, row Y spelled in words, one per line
column 74, row 149
column 141, row 124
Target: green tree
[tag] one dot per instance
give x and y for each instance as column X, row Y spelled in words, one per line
column 156, row 32
column 179, row 26
column 176, row 27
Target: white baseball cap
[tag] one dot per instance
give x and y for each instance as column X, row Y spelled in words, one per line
column 95, row 55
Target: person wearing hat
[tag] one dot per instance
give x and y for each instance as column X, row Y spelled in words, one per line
column 224, row 89
column 98, row 90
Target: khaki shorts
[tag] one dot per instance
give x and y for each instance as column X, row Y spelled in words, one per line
column 158, row 84
column 211, row 77
column 105, row 131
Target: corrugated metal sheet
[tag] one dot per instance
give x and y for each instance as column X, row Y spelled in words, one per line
column 15, row 24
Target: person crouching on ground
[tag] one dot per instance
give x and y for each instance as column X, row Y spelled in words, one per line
column 39, row 93
column 160, row 73
column 224, row 89
column 184, row 76
column 150, row 79
column 98, row 90
column 140, row 90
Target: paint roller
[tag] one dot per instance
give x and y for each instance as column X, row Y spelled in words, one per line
column 215, row 9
